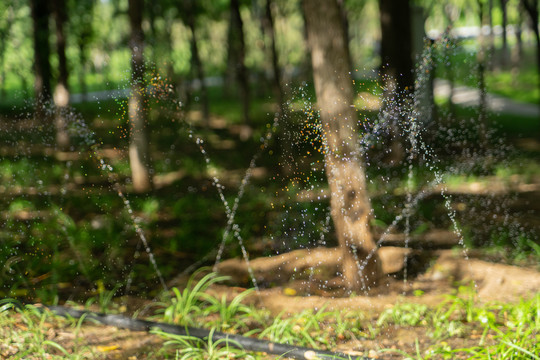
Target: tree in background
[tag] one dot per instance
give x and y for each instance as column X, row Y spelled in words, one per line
column 396, row 69
column 268, row 25
column 42, row 66
column 481, row 58
column 504, row 35
column 236, row 67
column 61, row 91
column 80, row 25
column 190, row 11
column 350, row 204
column 6, row 23
column 396, row 45
column 139, row 157
column 531, row 7
column 491, row 36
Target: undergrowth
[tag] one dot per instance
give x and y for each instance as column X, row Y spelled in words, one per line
column 459, row 327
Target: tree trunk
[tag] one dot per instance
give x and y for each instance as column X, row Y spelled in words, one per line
column 491, row 37
column 396, row 70
column 81, row 26
column 481, row 67
column 42, row 65
column 504, row 48
column 517, row 49
column 198, row 67
column 268, row 23
column 350, row 204
column 138, row 147
column 61, row 91
column 531, row 7
column 396, row 44
column 4, row 35
column 236, row 67
column 284, row 141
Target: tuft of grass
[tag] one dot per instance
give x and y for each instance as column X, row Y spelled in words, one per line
column 193, row 348
column 26, row 334
column 189, row 304
column 230, row 315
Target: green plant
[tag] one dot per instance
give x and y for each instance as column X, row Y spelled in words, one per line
column 404, row 314
column 193, row 348
column 302, row 329
column 228, row 312
column 104, row 298
column 34, row 339
column 187, row 305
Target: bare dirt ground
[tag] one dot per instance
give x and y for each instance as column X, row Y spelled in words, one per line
column 493, row 282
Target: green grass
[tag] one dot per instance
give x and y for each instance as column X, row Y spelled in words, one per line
column 26, row 334
column 492, row 331
column 458, row 327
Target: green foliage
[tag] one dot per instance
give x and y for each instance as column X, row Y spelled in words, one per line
column 187, row 305
column 302, row 329
column 231, row 314
column 404, row 315
column 193, row 348
column 26, row 333
column 513, row 328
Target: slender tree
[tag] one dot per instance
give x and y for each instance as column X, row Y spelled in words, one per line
column 491, row 37
column 191, row 12
column 80, row 24
column 531, row 8
column 5, row 29
column 268, row 25
column 396, row 70
column 350, row 204
column 481, row 66
column 138, row 147
column 504, row 47
column 236, row 67
column 517, row 49
column 42, row 66
column 61, row 91
column 396, row 45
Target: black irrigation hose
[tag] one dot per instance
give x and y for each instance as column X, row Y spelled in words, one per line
column 247, row 343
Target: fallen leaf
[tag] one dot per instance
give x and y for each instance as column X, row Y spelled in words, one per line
column 107, row 348
column 289, row 292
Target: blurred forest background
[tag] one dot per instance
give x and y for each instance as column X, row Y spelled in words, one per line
column 117, row 117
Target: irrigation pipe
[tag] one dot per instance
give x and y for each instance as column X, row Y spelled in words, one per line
column 247, row 343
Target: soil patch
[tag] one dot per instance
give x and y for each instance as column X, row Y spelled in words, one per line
column 300, row 287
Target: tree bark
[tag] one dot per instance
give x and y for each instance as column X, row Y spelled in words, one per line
column 61, row 91
column 350, row 204
column 236, row 66
column 42, row 65
column 138, row 147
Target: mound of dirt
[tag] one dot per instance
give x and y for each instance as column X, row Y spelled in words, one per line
column 309, row 279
